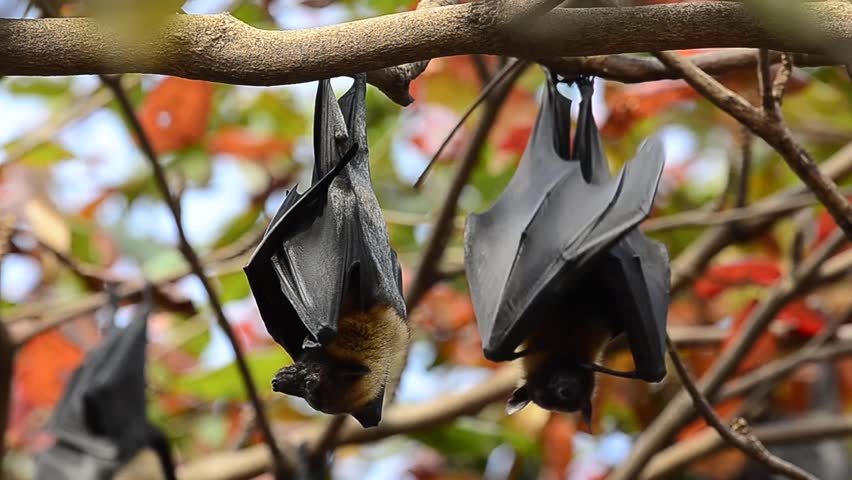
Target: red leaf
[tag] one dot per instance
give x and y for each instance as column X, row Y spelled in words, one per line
column 719, row 278
column 44, row 365
column 243, row 143
column 433, row 124
column 801, row 319
column 174, row 114
column 633, row 103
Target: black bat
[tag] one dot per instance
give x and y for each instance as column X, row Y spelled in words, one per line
column 558, row 265
column 100, row 423
column 326, row 281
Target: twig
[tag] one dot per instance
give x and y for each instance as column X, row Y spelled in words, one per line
column 627, row 68
column 677, row 411
column 773, row 130
column 746, row 442
column 811, row 428
column 486, row 91
column 434, row 250
column 282, row 470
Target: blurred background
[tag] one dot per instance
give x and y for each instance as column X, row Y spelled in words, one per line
column 88, row 214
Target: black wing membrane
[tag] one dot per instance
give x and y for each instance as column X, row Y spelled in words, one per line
column 559, row 215
column 100, row 422
column 330, row 241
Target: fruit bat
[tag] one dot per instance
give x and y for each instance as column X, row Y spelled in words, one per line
column 100, row 423
column 557, row 267
column 326, row 281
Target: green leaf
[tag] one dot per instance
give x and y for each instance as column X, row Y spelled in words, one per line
column 238, row 227
column 45, row 87
column 469, row 441
column 42, row 155
column 82, row 246
column 163, row 263
column 225, row 383
column 234, row 286
column 194, row 165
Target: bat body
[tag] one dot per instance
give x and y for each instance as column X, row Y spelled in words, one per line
column 327, row 283
column 557, row 267
column 100, row 423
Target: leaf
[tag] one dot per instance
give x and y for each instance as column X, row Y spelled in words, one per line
column 225, row 383
column 48, row 225
column 238, row 227
column 174, row 114
column 432, row 124
column 631, row 104
column 557, row 446
column 43, row 366
column 801, row 319
column 244, row 143
column 43, row 155
column 719, row 278
column 234, row 286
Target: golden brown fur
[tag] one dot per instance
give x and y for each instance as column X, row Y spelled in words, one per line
column 377, row 339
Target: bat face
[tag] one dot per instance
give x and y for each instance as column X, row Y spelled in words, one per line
column 325, row 383
column 561, row 388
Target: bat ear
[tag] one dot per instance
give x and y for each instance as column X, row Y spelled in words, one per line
column 310, row 343
column 519, row 399
column 371, row 414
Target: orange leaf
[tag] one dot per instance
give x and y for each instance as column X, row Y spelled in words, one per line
column 243, row 143
column 43, row 365
column 174, row 114
column 801, row 319
column 557, row 445
column 633, row 103
column 719, row 278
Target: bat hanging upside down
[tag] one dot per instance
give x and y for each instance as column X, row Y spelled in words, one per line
column 326, row 280
column 557, row 267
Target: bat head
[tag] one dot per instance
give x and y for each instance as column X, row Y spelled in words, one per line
column 563, row 389
column 332, row 386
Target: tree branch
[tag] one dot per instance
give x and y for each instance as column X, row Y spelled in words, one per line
column 219, row 48
column 748, row 444
column 812, row 428
column 677, row 412
column 282, row 469
column 771, row 127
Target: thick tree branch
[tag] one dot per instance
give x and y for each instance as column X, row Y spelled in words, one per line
column 219, row 48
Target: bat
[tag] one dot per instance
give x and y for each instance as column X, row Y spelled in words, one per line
column 100, row 423
column 557, row 267
column 326, row 280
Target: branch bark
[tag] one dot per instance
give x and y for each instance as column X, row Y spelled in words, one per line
column 220, row 48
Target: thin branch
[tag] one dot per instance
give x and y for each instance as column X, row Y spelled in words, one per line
column 486, row 91
column 748, row 444
column 399, row 419
column 219, row 48
column 811, row 428
column 677, row 412
column 764, row 80
column 627, row 68
column 282, row 470
column 437, row 243
column 773, row 130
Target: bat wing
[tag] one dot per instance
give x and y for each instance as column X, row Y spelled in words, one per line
column 638, row 268
column 330, row 242
column 493, row 238
column 525, row 255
